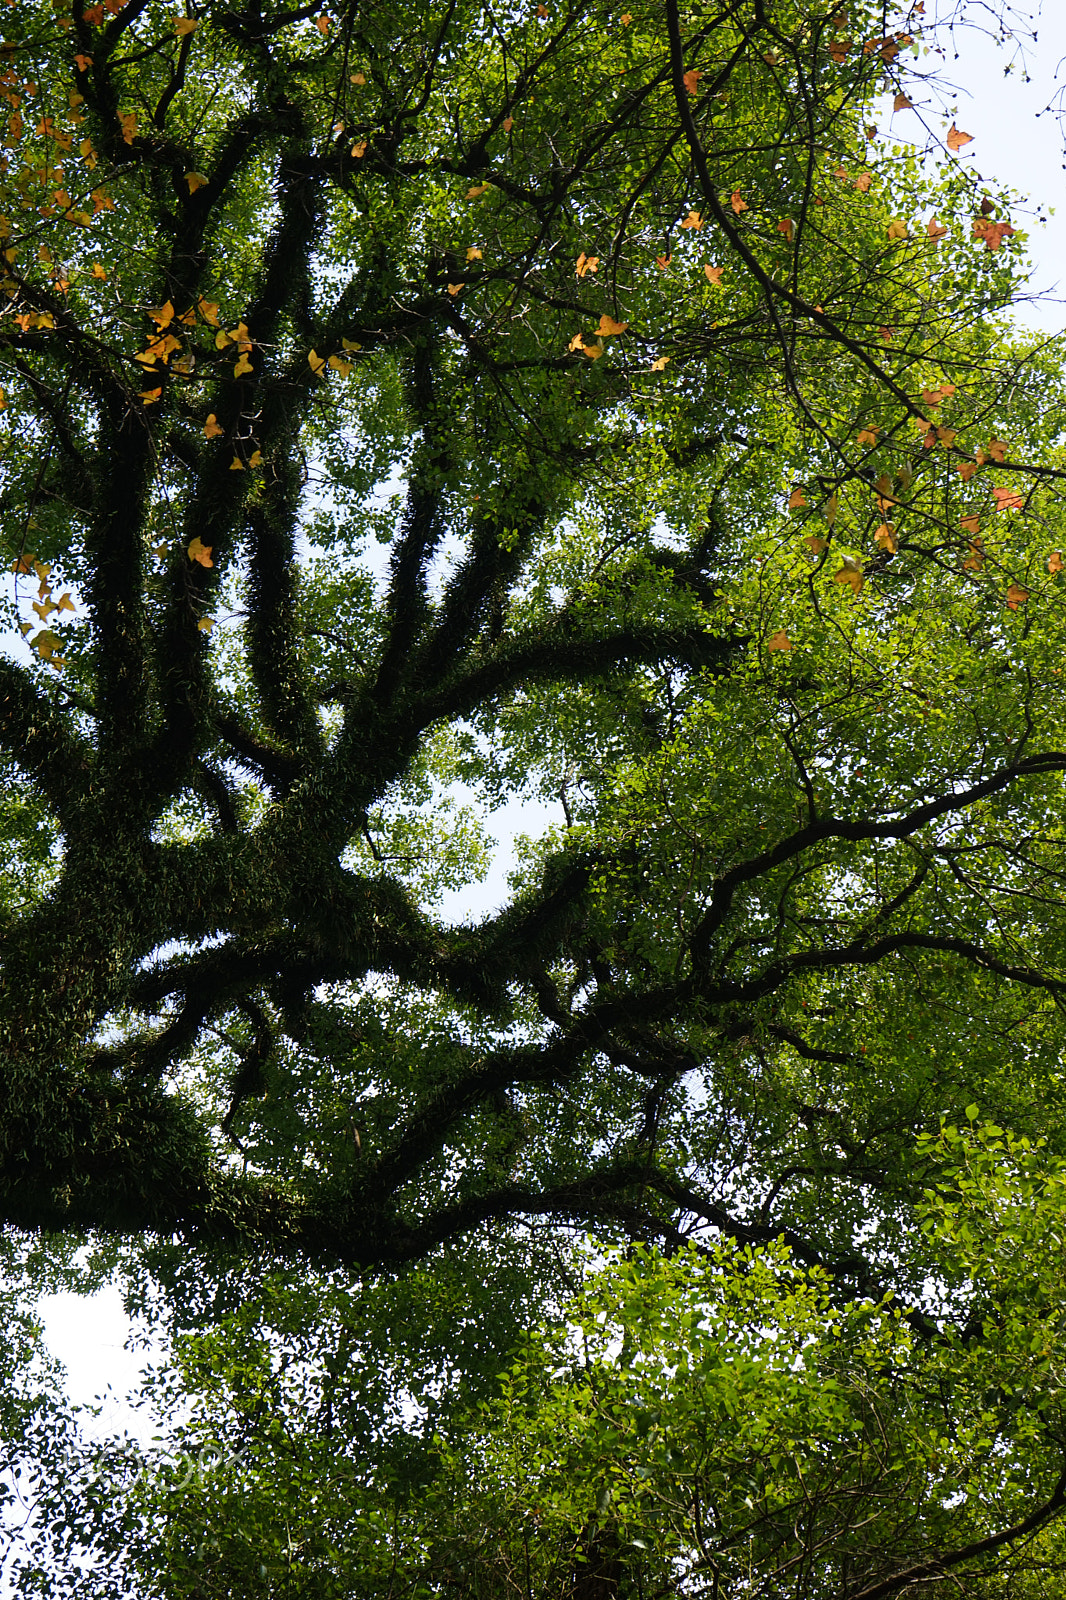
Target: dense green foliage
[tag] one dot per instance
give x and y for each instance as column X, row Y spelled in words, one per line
column 417, row 409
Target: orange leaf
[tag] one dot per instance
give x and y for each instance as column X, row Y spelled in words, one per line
column 966, row 470
column 473, row 254
column 198, row 551
column 779, row 641
column 737, row 203
column 475, row 190
column 935, row 230
column 508, row 124
column 453, row 290
column 1006, row 498
column 714, row 275
column 956, row 138
column 195, row 180
column 1054, row 561
column 691, row 80
column 662, row 262
column 839, row 48
column 359, row 148
column 851, row 573
column 585, row 264
column 786, row 227
column 626, row 18
column 212, row 429
column 236, row 465
column 997, row 450
column 593, row 351
column 693, row 220
column 901, row 103
column 1016, row 596
column 796, row 500
column 322, row 24
column 897, row 229
column 976, row 558
column 128, row 121
column 971, row 522
column 933, row 397
column 150, row 396
column 885, row 536
column 99, row 270
column 162, row 315
column 357, row 77
column 609, row 327
column 815, row 544
column 993, row 233
column 184, row 25
column 576, row 343
column 208, row 309
column 863, row 182
column 867, row 436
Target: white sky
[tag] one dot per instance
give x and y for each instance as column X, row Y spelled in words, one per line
column 1016, row 141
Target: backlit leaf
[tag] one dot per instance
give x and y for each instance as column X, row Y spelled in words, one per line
column 198, row 551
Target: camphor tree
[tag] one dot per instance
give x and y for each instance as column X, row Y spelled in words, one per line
column 432, row 402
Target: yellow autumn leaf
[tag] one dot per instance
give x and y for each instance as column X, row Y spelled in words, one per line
column 897, row 228
column 693, row 220
column 657, row 366
column 713, row 274
column 198, row 551
column 779, row 641
column 256, row 458
column 184, row 25
column 195, row 180
column 586, row 264
column 1054, row 561
column 609, row 327
column 205, row 624
column 350, row 344
column 359, row 148
column 162, row 315
column 340, row 365
column 796, row 500
column 455, row 288
column 149, row 397
column 850, row 573
column 212, row 429
column 885, row 536
column 236, row 465
column 476, row 190
column 316, row 362
column 473, row 254
column 1016, row 596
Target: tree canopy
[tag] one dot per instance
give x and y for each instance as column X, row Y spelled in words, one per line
column 413, row 410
